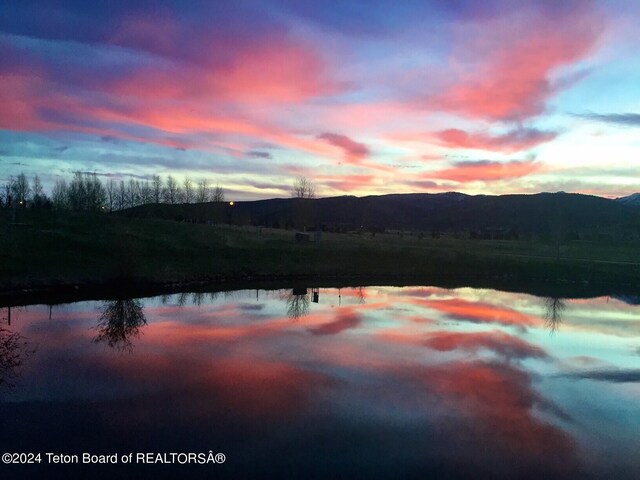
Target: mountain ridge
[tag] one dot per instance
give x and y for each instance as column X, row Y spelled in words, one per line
column 542, row 213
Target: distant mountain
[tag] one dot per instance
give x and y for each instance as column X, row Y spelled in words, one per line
column 633, row 200
column 542, row 213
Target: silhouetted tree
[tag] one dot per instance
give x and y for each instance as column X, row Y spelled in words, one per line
column 218, row 194
column 86, row 192
column 119, row 322
column 156, row 188
column 203, row 191
column 133, row 193
column 146, row 193
column 60, row 195
column 121, row 196
column 171, row 190
column 303, row 188
column 303, row 191
column 187, row 186
column 5, row 194
column 112, row 190
column 37, row 195
column 20, row 189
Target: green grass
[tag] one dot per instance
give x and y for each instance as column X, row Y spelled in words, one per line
column 52, row 248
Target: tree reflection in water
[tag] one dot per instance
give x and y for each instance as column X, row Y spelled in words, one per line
column 119, row 322
column 14, row 350
column 554, row 308
column 297, row 303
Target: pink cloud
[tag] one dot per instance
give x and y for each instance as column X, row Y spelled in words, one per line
column 510, row 142
column 487, row 170
column 479, row 312
column 279, row 70
column 506, row 64
column 501, row 400
column 500, row 342
column 354, row 151
column 347, row 183
column 345, row 321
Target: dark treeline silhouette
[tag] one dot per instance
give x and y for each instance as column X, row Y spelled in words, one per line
column 86, row 192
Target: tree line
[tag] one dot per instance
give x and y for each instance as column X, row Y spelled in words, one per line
column 86, row 192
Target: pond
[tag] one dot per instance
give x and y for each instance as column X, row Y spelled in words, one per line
column 372, row 382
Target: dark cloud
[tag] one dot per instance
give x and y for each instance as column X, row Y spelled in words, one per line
column 344, row 321
column 119, row 175
column 250, row 307
column 266, row 185
column 424, row 184
column 259, row 154
column 624, row 119
column 353, row 150
column 608, row 375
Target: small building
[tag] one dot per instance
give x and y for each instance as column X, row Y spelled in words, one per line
column 302, row 237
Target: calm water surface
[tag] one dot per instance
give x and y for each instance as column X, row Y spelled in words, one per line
column 375, row 382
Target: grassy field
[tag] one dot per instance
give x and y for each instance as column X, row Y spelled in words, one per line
column 44, row 249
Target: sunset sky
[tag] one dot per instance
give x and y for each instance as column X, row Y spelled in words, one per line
column 362, row 97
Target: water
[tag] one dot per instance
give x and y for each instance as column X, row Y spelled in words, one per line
column 376, row 382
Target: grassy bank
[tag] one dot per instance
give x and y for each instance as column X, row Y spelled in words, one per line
column 45, row 249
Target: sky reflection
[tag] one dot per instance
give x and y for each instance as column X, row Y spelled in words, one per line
column 452, row 381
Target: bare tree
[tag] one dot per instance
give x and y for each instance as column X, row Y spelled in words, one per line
column 146, row 193
column 171, row 190
column 60, row 195
column 7, row 193
column 203, row 191
column 218, row 194
column 133, row 193
column 156, row 187
column 96, row 194
column 111, row 193
column 77, row 194
column 188, row 190
column 38, row 191
column 303, row 188
column 20, row 189
column 121, row 196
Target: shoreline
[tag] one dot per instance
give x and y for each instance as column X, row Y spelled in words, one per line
column 22, row 295
column 59, row 257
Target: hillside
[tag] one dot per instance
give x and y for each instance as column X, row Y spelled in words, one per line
column 632, row 200
column 543, row 213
